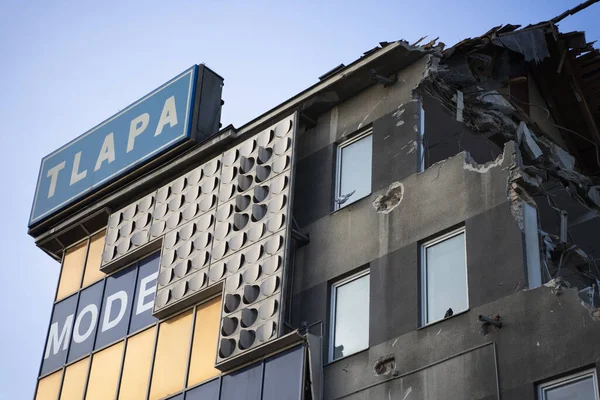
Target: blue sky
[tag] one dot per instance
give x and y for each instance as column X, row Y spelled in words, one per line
column 68, row 65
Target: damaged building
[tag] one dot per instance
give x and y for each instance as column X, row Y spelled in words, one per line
column 422, row 223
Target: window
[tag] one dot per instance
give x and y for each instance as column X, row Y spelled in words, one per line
column 353, row 171
column 581, row 386
column 444, row 277
column 349, row 316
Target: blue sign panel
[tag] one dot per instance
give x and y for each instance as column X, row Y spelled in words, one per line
column 146, row 128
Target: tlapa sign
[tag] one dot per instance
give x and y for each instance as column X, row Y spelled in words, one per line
column 159, row 121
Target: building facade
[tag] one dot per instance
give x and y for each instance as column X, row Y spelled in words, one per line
column 420, row 224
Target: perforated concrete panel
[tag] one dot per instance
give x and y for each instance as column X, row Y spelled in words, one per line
column 224, row 224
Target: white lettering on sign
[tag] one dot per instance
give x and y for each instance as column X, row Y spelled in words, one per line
column 55, row 341
column 146, row 291
column 107, row 152
column 137, row 127
column 76, row 176
column 53, row 175
column 78, row 337
column 167, row 116
column 106, row 322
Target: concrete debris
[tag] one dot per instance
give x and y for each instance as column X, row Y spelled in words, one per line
column 527, row 142
column 385, row 366
column 531, row 43
column 594, row 195
column 471, row 165
column 386, row 203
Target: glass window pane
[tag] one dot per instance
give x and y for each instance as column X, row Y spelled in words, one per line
column 86, row 321
column 59, row 336
column 446, row 277
column 104, row 374
column 145, row 291
column 49, row 386
column 116, row 307
column 172, row 349
column 204, row 347
column 209, row 390
column 283, row 375
column 351, row 317
column 579, row 390
column 92, row 265
column 136, row 368
column 72, row 269
column 355, row 170
column 75, row 377
column 243, row 384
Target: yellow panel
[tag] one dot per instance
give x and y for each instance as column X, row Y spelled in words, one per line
column 49, row 386
column 171, row 356
column 204, row 348
column 74, row 383
column 70, row 274
column 92, row 265
column 136, row 370
column 104, row 374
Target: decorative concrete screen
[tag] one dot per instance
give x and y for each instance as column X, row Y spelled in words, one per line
column 223, row 226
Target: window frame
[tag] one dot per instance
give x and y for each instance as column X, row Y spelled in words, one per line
column 542, row 388
column 332, row 311
column 338, row 166
column 423, row 272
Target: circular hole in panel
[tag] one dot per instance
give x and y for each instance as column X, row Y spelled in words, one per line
column 283, row 127
column 211, row 167
column 207, row 202
column 249, row 316
column 264, row 138
column 197, row 281
column 232, row 302
column 115, row 220
column 251, row 293
column 182, row 268
column 266, row 331
column 179, row 290
column 252, row 274
column 226, row 192
column 165, row 277
column 282, row 146
column 244, row 182
column 264, row 155
column 271, row 264
column 269, row 286
column 275, row 223
column 191, row 194
column 204, row 222
column 222, row 230
column 184, row 250
column 256, row 232
column 278, row 184
column 216, row 272
column 258, row 212
column 126, row 229
column 112, row 236
column 163, row 194
column 200, row 260
column 237, row 241
column 246, row 164
column 124, row 246
column 194, row 176
column 226, row 348
column 190, row 212
column 219, row 250
column 246, row 339
column 145, row 204
column 235, row 263
column 228, row 174
column 253, row 253
column 174, row 220
column 228, row 325
column 109, row 253
column 139, row 238
column 171, row 239
column 187, row 231
column 202, row 241
column 209, row 185
column 167, row 258
column 262, row 173
column 247, row 147
column 130, row 212
column 267, row 309
column 176, row 202
column 273, row 245
column 224, row 211
column 277, row 203
column 240, row 221
column 281, row 164
column 242, row 202
column 233, row 283
column 160, row 211
column 260, row 193
column 162, row 297
column 178, row 185
column 230, row 157
column 157, row 228
column 142, row 221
